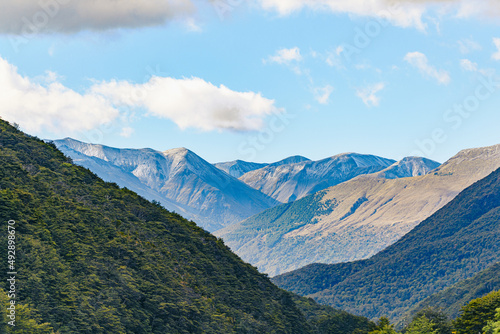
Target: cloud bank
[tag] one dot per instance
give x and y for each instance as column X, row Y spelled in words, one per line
column 189, row 103
column 28, row 17
column 25, row 17
column 52, row 106
column 403, row 13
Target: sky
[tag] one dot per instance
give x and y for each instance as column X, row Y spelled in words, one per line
column 256, row 80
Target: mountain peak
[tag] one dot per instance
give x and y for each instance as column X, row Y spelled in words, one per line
column 290, row 160
column 408, row 167
column 181, row 151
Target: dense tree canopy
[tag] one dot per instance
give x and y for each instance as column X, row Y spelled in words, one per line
column 476, row 314
column 94, row 258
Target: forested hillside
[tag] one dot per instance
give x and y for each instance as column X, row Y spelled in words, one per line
column 94, row 258
column 455, row 243
column 452, row 299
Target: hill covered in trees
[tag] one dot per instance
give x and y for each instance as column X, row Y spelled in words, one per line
column 455, row 243
column 94, row 258
column 452, row 299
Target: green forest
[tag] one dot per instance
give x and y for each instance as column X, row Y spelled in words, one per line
column 94, row 258
column 481, row 315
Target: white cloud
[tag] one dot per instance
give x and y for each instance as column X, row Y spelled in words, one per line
column 404, row 13
column 419, row 60
column 468, row 65
column 285, row 56
column 333, row 59
column 368, row 94
column 496, row 55
column 127, row 132
column 471, row 8
column 50, row 105
column 322, row 94
column 407, row 14
column 192, row 25
column 468, row 45
column 29, row 16
column 44, row 104
column 191, row 103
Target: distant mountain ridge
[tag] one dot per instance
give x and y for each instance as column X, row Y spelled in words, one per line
column 238, row 168
column 203, row 192
column 292, row 181
column 357, row 218
column 210, row 194
column 455, row 243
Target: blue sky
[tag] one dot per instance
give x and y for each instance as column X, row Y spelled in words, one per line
column 256, row 80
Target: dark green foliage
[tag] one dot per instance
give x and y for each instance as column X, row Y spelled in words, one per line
column 455, row 243
column 441, row 324
column 384, row 326
column 323, row 320
column 421, row 325
column 94, row 258
column 476, row 314
column 493, row 326
column 26, row 320
column 451, row 300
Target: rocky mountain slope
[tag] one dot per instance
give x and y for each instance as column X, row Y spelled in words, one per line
column 455, row 243
column 358, row 218
column 238, row 168
column 201, row 191
column 290, row 181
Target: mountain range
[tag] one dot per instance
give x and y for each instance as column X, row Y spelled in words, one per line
column 178, row 178
column 357, row 218
column 216, row 195
column 455, row 243
column 288, row 182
